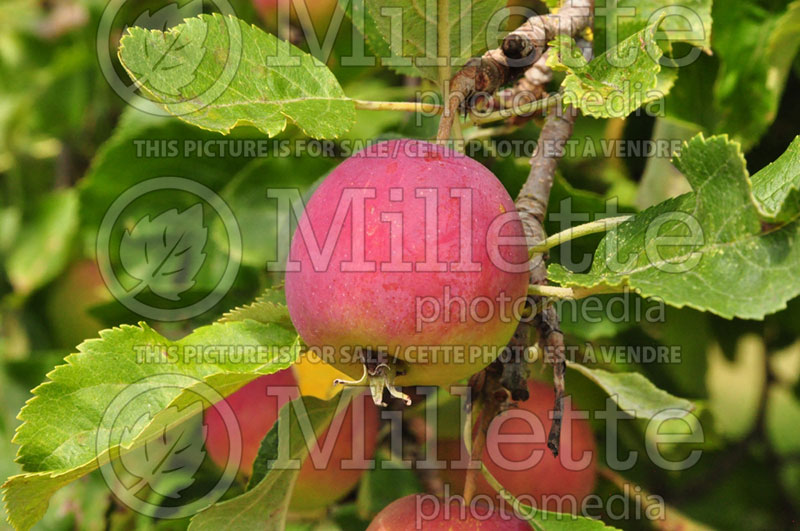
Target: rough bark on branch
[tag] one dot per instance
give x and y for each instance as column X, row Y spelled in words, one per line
column 521, row 48
column 531, row 205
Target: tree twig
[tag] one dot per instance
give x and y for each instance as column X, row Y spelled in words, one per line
column 531, row 205
column 673, row 520
column 520, row 49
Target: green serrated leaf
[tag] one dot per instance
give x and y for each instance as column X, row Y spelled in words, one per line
column 614, row 84
column 218, row 72
column 269, row 307
column 62, row 434
column 776, row 188
column 565, row 55
column 403, row 33
column 721, row 258
column 632, row 392
column 266, row 502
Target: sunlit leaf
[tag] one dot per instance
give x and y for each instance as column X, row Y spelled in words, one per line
column 218, row 72
column 721, row 257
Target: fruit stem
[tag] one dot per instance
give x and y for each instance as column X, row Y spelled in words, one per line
column 672, row 518
column 383, row 378
column 560, row 292
column 556, row 292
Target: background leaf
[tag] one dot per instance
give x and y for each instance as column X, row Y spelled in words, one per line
column 632, row 392
column 243, row 76
column 614, row 84
column 42, row 248
column 616, row 20
column 738, row 269
column 737, row 91
column 78, row 394
column 415, row 51
column 270, row 489
column 172, row 245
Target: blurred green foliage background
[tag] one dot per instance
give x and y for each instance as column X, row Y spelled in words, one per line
column 67, row 150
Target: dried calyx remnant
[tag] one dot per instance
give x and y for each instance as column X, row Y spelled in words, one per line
column 523, row 55
column 380, row 371
column 521, row 49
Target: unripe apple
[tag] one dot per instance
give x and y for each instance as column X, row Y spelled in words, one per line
column 256, row 411
column 418, row 511
column 516, row 454
column 414, row 251
column 68, row 303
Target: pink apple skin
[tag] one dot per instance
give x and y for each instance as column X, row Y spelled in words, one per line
column 320, row 11
column 424, row 512
column 339, row 310
column 256, row 412
column 547, row 481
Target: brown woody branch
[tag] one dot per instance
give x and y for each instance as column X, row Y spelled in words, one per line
column 531, row 205
column 520, row 49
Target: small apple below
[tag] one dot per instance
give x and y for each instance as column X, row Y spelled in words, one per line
column 256, row 411
column 419, row 511
column 516, row 454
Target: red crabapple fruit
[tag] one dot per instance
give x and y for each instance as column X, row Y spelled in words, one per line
column 257, row 410
column 516, row 454
column 412, row 254
column 431, row 514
